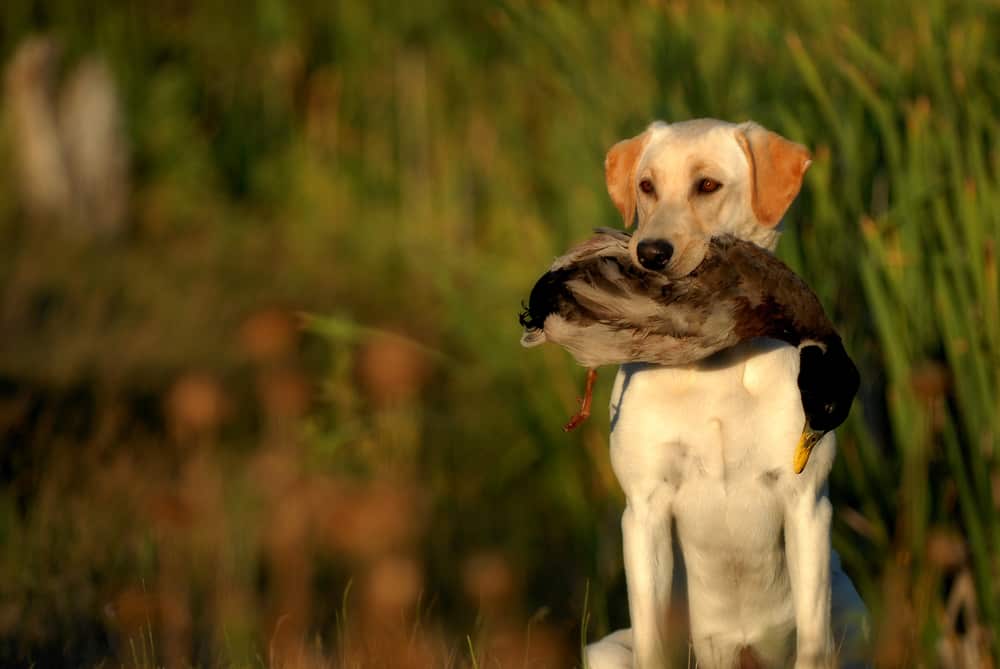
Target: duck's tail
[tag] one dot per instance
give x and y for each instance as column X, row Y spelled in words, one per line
column 533, row 332
column 550, row 290
column 532, row 338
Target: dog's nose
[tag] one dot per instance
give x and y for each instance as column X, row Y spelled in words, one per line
column 654, row 254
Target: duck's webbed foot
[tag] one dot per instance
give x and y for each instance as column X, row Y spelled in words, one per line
column 584, row 412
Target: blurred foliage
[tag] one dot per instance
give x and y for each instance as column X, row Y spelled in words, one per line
column 188, row 476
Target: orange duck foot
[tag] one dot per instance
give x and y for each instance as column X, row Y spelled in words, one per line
column 584, row 412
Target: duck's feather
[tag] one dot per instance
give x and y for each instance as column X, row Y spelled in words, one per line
column 595, row 302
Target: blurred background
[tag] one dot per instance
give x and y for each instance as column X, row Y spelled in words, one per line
column 262, row 401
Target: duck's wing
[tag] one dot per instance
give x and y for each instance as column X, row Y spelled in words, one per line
column 599, row 305
column 606, row 242
column 774, row 301
column 603, row 309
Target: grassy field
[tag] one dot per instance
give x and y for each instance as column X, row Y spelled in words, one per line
column 261, row 395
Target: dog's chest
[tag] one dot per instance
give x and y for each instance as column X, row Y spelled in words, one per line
column 719, row 438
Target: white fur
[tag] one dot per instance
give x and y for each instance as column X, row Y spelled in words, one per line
column 674, row 158
column 704, row 456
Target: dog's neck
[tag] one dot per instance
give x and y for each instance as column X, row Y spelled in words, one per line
column 767, row 238
column 750, row 230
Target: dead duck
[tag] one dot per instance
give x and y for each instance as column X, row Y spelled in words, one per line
column 604, row 310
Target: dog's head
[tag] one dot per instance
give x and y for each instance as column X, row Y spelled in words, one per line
column 688, row 182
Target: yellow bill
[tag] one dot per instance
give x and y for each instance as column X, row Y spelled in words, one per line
column 807, row 441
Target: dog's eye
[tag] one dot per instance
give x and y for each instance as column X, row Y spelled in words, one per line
column 707, row 185
column 647, row 187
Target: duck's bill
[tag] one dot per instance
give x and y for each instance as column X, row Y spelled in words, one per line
column 807, row 442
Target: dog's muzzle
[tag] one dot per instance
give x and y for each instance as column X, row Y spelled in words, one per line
column 654, row 254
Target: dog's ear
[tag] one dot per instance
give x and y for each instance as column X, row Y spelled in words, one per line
column 619, row 174
column 777, row 166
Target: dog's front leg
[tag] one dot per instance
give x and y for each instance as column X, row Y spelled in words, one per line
column 648, row 574
column 807, row 546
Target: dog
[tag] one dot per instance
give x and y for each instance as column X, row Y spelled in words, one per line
column 704, row 452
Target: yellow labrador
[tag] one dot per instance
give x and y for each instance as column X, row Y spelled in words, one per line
column 703, row 453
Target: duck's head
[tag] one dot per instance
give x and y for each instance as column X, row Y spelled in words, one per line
column 688, row 182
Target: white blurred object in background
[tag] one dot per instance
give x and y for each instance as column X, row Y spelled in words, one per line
column 69, row 141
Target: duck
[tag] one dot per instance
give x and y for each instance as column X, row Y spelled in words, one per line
column 605, row 310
